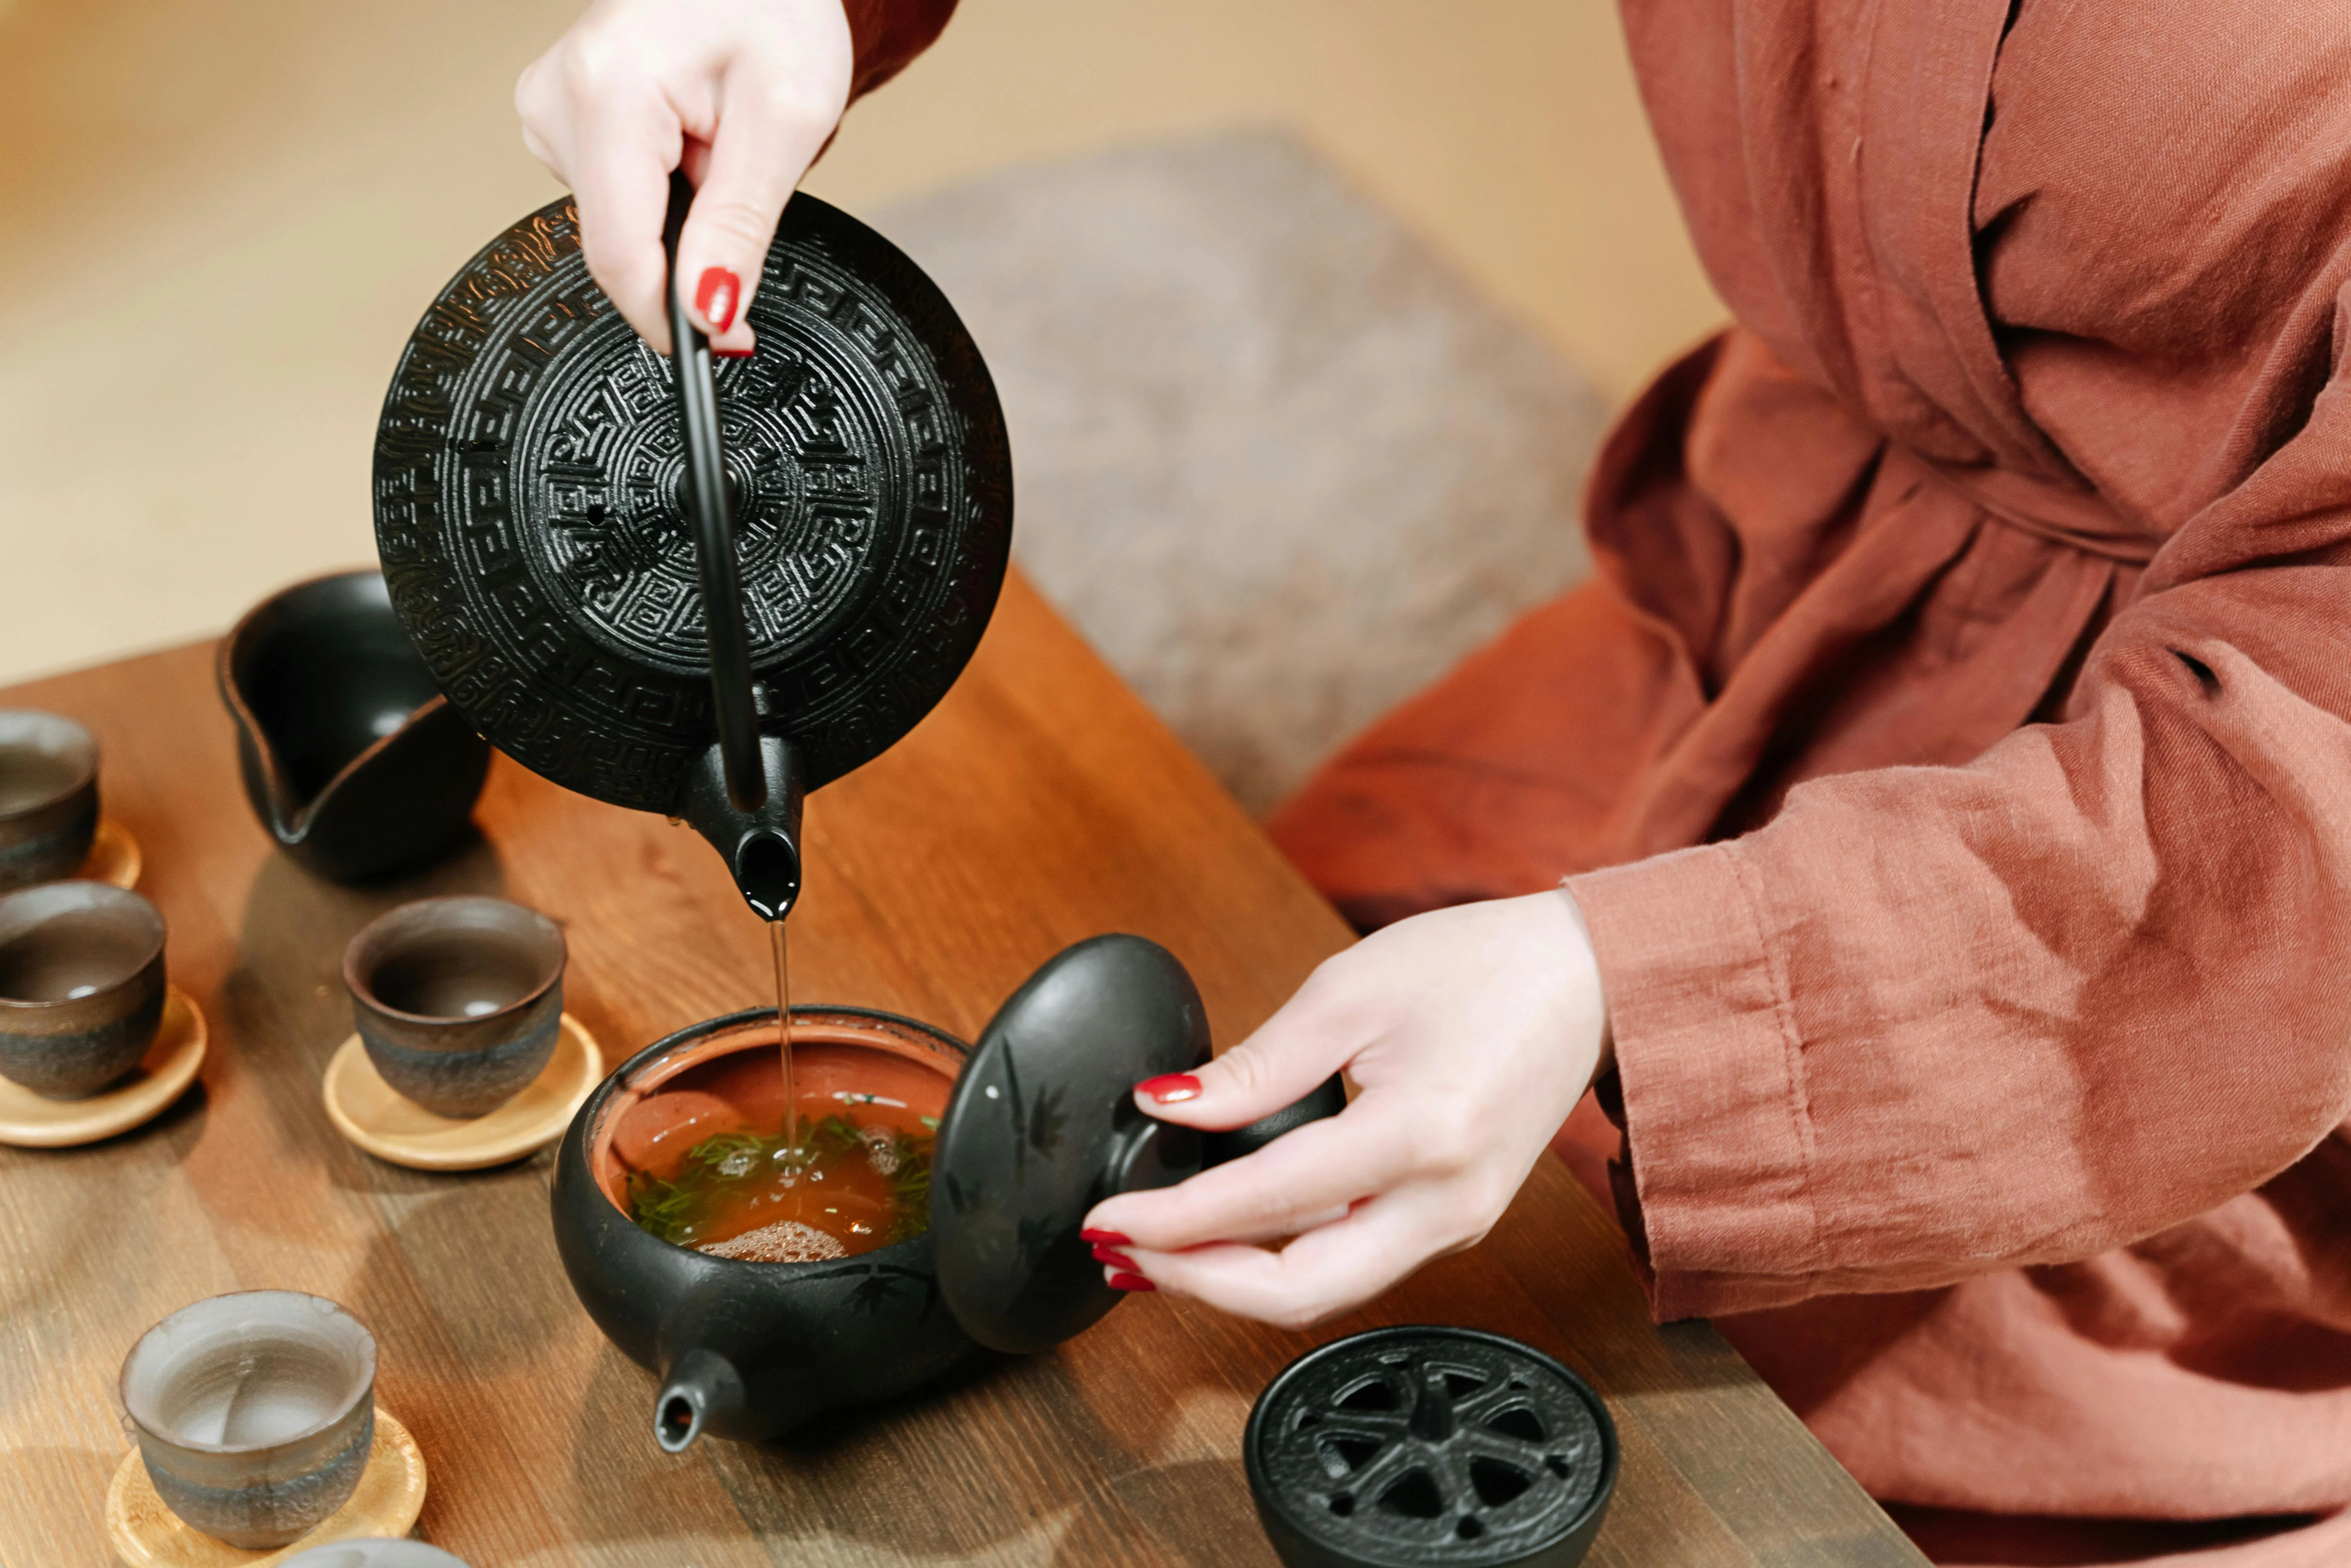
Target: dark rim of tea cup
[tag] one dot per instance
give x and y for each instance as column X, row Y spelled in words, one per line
column 153, row 1345
column 446, row 924
column 81, row 985
column 48, row 797
column 68, row 748
column 133, row 926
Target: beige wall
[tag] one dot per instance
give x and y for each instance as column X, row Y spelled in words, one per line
column 219, row 218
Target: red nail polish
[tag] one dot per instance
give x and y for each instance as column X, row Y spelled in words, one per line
column 1099, row 1237
column 1171, row 1088
column 734, row 353
column 1130, row 1282
column 1114, row 1257
column 716, row 296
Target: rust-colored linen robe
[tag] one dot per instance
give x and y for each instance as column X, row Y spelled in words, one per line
column 1952, row 759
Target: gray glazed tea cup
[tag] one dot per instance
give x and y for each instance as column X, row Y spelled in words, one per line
column 48, row 797
column 458, row 1001
column 374, row 1552
column 82, row 986
column 254, row 1412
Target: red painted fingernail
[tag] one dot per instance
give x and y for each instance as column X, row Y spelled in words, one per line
column 1099, row 1237
column 716, row 296
column 1114, row 1257
column 1170, row 1088
column 734, row 353
column 1130, row 1282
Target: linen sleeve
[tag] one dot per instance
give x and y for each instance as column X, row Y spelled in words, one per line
column 886, row 35
column 1933, row 1022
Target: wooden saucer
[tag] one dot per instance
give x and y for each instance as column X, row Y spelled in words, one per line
column 113, row 856
column 37, row 1122
column 145, row 1534
column 367, row 1111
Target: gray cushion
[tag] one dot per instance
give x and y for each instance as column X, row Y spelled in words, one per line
column 1279, row 462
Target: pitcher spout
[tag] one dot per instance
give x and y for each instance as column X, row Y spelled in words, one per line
column 761, row 846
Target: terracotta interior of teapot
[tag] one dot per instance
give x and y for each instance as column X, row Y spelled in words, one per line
column 733, row 1077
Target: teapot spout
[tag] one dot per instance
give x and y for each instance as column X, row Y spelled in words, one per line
column 761, row 847
column 704, row 1392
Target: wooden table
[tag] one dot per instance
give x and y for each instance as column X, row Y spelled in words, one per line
column 1042, row 803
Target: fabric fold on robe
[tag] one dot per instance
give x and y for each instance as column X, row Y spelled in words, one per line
column 886, row 35
column 1952, row 756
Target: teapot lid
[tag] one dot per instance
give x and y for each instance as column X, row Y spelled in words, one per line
column 527, row 473
column 1042, row 1126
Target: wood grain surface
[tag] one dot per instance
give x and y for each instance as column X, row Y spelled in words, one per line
column 1040, row 804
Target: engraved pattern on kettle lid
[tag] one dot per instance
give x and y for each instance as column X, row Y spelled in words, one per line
column 527, row 469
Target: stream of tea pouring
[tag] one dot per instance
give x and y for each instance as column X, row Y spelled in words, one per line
column 745, row 798
column 784, row 1040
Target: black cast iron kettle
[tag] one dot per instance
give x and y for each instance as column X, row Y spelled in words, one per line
column 1041, row 1125
column 694, row 591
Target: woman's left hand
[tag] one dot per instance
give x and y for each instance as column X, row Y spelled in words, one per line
column 1471, row 1033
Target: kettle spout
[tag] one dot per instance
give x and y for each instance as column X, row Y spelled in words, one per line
column 704, row 1392
column 761, row 847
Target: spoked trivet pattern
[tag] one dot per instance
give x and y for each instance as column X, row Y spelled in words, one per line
column 1414, row 1446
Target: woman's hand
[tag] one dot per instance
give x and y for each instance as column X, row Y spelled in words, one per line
column 1470, row 1032
column 743, row 92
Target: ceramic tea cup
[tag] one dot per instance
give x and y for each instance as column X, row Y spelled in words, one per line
column 458, row 1001
column 374, row 1552
column 48, row 797
column 82, row 986
column 254, row 1412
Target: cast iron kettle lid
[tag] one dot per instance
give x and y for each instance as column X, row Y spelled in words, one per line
column 1042, row 1126
column 527, row 473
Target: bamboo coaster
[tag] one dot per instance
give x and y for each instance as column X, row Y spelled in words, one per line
column 145, row 1534
column 37, row 1122
column 367, row 1111
column 114, row 855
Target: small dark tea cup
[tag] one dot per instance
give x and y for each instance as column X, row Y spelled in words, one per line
column 458, row 1001
column 82, row 986
column 48, row 797
column 254, row 1412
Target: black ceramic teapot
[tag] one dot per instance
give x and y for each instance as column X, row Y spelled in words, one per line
column 694, row 591
column 1040, row 1126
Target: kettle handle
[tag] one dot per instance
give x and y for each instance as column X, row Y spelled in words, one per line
column 704, row 495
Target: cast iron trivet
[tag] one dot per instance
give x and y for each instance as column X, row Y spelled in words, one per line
column 1417, row 1447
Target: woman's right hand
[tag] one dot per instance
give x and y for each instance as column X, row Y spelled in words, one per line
column 742, row 93
column 1471, row 1033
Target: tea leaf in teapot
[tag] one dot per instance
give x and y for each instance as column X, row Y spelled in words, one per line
column 862, row 1186
column 835, row 1135
column 909, row 1191
column 665, row 1208
column 734, row 1153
